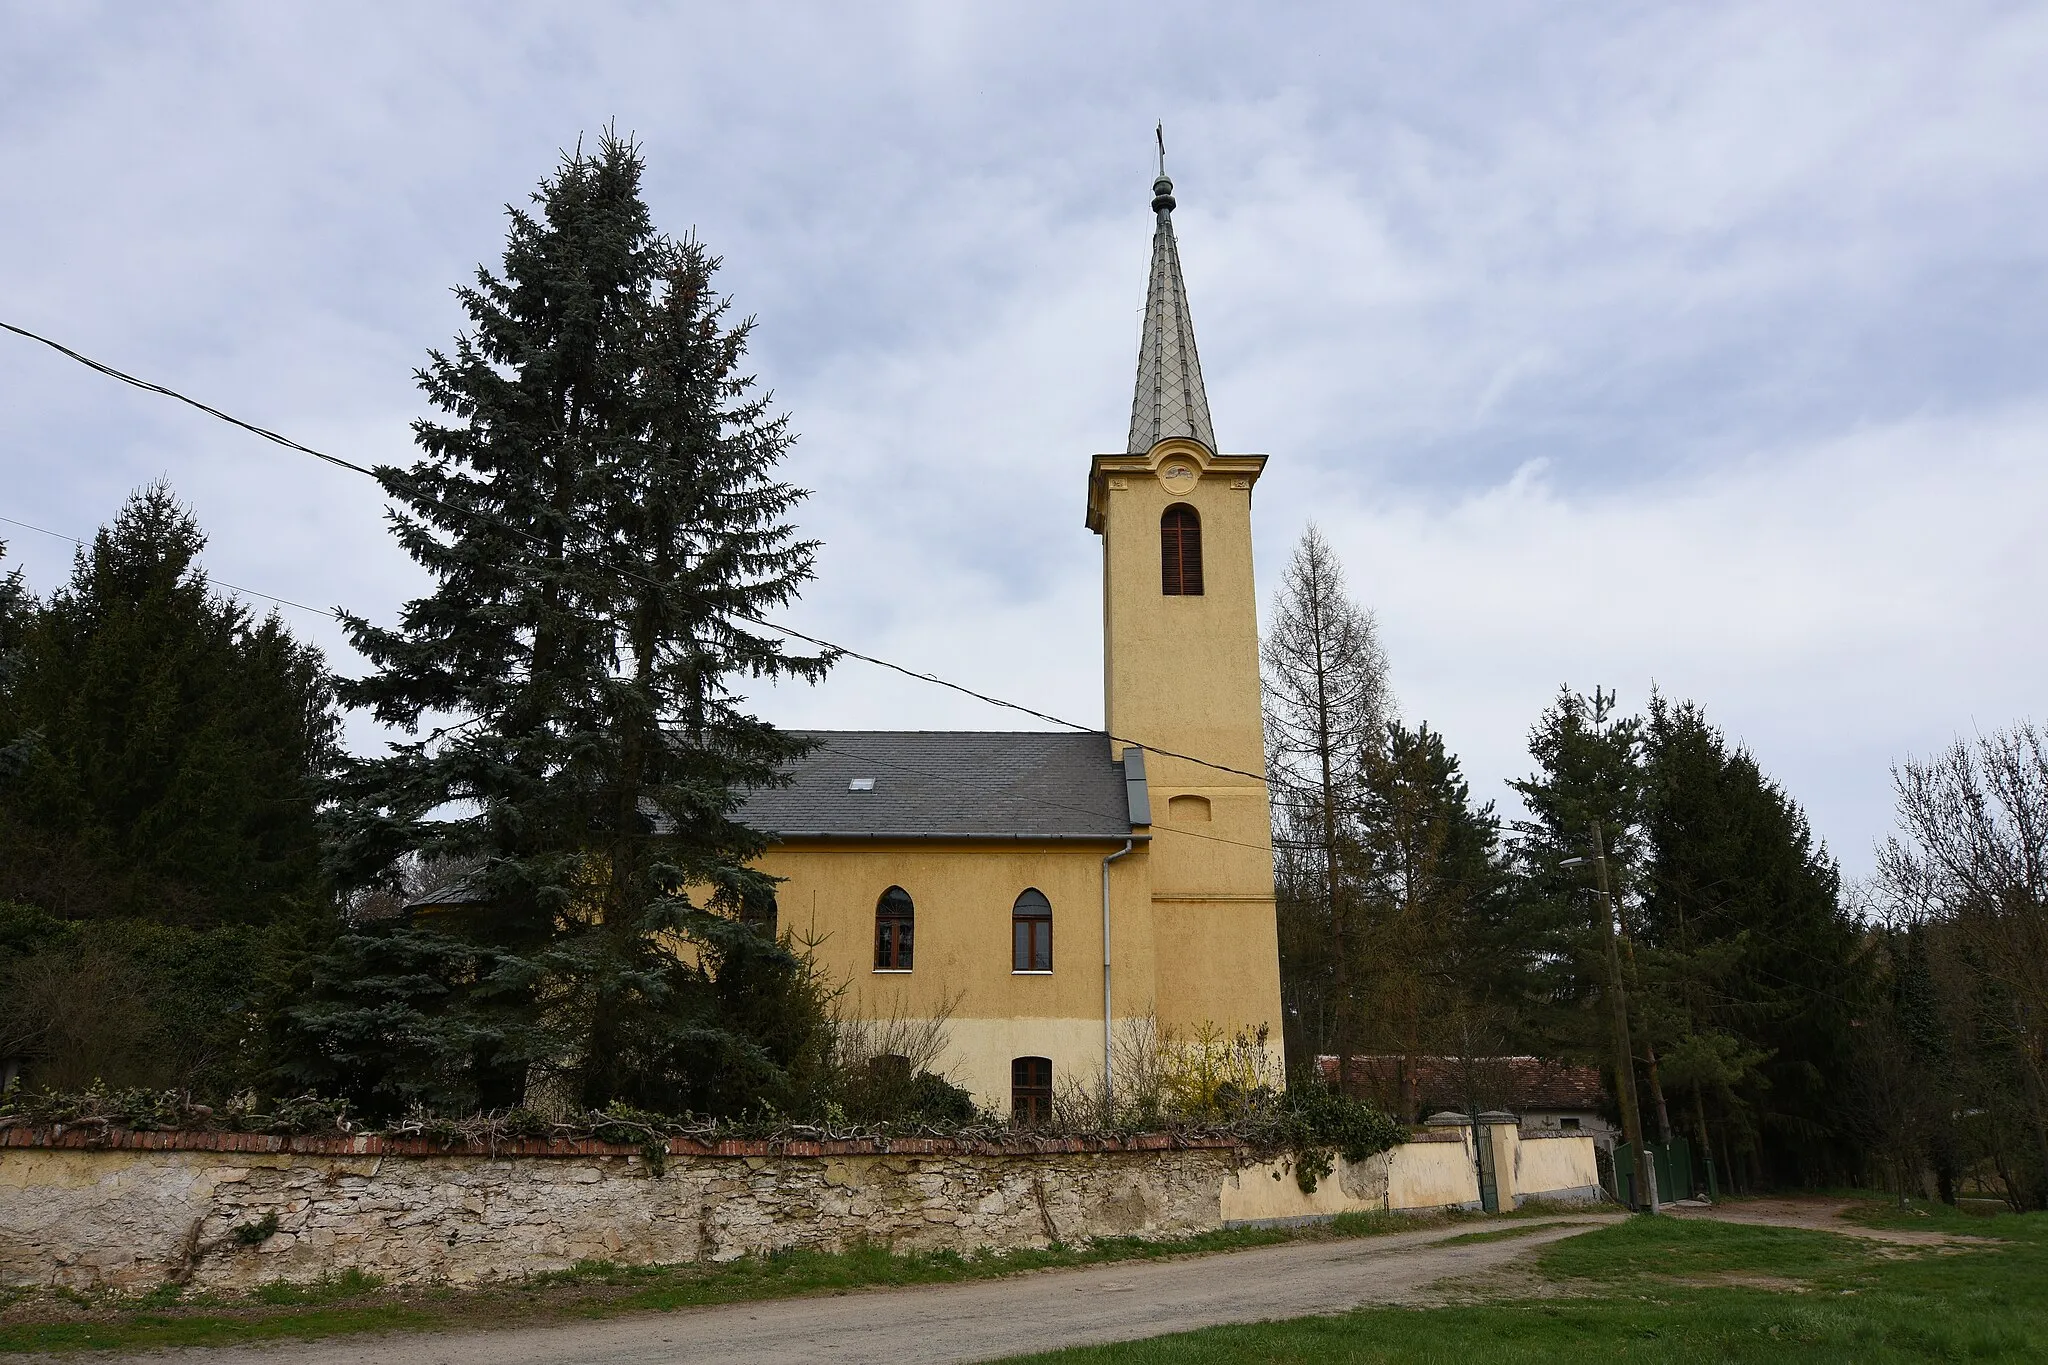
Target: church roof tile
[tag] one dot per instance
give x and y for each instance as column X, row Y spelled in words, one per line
column 942, row 784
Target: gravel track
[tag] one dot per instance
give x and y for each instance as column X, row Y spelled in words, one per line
column 928, row 1325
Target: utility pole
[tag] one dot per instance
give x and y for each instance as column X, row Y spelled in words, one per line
column 1624, row 1052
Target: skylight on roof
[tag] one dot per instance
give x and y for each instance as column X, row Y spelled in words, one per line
column 861, row 784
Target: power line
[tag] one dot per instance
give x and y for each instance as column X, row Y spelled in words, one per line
column 110, row 372
column 1274, row 845
column 997, row 701
column 848, row 753
column 330, row 612
column 933, row 678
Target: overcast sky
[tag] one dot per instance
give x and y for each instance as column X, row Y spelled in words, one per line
column 1698, row 346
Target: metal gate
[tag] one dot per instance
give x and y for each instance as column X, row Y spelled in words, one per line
column 1489, row 1184
column 1670, row 1164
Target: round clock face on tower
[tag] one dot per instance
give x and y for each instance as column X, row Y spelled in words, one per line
column 1177, row 477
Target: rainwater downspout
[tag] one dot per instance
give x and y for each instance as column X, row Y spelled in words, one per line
column 1108, row 1049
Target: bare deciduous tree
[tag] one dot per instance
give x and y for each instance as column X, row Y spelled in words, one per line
column 78, row 1016
column 1971, row 860
column 884, row 1063
column 1327, row 704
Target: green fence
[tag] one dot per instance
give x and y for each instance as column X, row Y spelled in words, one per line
column 1672, row 1162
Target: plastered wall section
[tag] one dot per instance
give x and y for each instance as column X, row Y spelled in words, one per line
column 1184, row 961
column 1181, row 676
column 962, row 966
column 1436, row 1171
column 1559, row 1168
column 130, row 1219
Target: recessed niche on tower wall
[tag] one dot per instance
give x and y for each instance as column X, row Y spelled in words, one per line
column 1187, row 810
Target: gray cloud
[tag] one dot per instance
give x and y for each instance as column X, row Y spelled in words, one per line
column 1700, row 346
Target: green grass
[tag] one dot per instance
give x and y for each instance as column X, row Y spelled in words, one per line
column 1672, row 1290
column 349, row 1284
column 1494, row 1235
column 1976, row 1218
column 794, row 1273
column 352, row 1302
column 153, row 1331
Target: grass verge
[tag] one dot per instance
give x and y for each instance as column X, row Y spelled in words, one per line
column 352, row 1302
column 1498, row 1234
column 1669, row 1289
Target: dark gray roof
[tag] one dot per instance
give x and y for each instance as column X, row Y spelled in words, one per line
column 954, row 784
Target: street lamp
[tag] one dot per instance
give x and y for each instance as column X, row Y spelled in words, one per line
column 1624, row 1052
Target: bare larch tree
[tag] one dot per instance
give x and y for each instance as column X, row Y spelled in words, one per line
column 1327, row 703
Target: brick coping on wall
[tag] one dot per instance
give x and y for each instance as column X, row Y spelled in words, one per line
column 94, row 1137
column 97, row 1137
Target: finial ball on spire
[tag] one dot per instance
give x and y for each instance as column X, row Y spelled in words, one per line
column 1162, row 188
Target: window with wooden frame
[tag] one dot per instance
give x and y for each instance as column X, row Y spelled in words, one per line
column 1180, row 552
column 894, row 922
column 1030, row 1090
column 1031, row 933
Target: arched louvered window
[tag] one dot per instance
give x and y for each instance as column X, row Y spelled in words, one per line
column 894, row 921
column 1031, row 933
column 1030, row 1089
column 1180, row 552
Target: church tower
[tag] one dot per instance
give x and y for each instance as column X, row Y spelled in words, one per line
column 1181, row 669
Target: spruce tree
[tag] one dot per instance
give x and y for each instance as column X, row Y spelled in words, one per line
column 1440, row 972
column 1749, row 954
column 602, row 524
column 1589, row 777
column 158, row 745
column 15, row 607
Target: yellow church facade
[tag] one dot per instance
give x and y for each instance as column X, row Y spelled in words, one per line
column 1049, row 894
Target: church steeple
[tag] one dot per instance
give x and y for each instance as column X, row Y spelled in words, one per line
column 1169, row 401
column 1180, row 675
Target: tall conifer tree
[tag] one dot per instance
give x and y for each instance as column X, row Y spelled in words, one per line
column 1748, row 947
column 1589, row 774
column 1440, row 972
column 15, row 604
column 602, row 523
column 159, row 745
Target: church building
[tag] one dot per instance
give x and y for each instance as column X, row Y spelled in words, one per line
column 1047, row 891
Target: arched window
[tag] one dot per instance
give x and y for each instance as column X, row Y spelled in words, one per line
column 1031, row 933
column 1180, row 552
column 1030, row 1089
column 893, row 922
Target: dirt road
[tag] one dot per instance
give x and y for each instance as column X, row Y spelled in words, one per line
column 1821, row 1215
column 965, row 1322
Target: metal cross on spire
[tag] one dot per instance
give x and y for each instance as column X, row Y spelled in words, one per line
column 1169, row 400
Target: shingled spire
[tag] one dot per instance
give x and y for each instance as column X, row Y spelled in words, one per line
column 1170, row 400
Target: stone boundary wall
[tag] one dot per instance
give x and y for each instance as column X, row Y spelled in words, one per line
column 128, row 1211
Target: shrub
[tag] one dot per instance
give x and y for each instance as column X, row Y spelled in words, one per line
column 257, row 1233
column 1317, row 1123
column 133, row 1004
